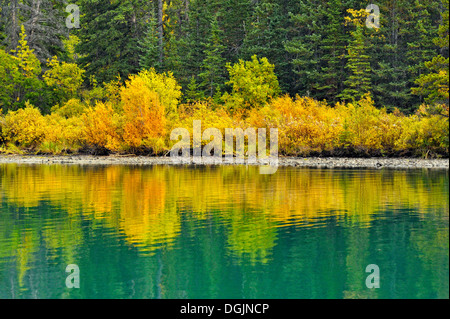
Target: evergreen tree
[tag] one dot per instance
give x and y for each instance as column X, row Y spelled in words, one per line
column 304, row 47
column 191, row 43
column 400, row 48
column 193, row 92
column 234, row 16
column 266, row 32
column 358, row 82
column 110, row 33
column 213, row 73
column 435, row 83
column 149, row 45
column 330, row 78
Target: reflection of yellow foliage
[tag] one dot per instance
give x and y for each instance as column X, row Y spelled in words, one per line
column 24, row 252
column 144, row 216
column 251, row 238
column 145, row 204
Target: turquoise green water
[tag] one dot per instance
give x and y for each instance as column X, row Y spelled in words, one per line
column 222, row 232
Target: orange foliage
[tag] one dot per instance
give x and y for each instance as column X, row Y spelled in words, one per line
column 144, row 117
column 100, row 127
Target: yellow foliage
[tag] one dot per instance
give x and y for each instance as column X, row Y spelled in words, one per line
column 361, row 125
column 304, row 124
column 425, row 134
column 28, row 62
column 62, row 134
column 137, row 121
column 144, row 116
column 100, row 127
column 73, row 107
column 25, row 127
column 165, row 85
column 202, row 111
column 65, row 78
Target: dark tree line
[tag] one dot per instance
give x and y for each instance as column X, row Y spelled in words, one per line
column 316, row 52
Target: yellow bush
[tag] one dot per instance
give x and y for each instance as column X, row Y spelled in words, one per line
column 367, row 128
column 24, row 127
column 61, row 134
column 424, row 134
column 165, row 86
column 101, row 127
column 306, row 125
column 73, row 107
column 202, row 111
column 144, row 116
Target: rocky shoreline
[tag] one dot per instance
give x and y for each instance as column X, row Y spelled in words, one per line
column 311, row 162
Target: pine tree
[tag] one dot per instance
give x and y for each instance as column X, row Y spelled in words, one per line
column 193, row 92
column 2, row 30
column 331, row 76
column 266, row 31
column 149, row 45
column 110, row 35
column 191, row 38
column 234, row 16
column 304, row 47
column 400, row 48
column 435, row 83
column 213, row 66
column 358, row 82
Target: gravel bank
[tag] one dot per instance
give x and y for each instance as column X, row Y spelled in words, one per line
column 378, row 163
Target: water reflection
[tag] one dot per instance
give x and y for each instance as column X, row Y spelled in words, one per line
column 180, row 232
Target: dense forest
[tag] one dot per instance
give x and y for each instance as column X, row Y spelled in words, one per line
column 133, row 70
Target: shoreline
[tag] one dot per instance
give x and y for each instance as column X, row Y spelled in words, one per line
column 308, row 162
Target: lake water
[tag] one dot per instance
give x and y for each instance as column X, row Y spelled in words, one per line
column 222, row 232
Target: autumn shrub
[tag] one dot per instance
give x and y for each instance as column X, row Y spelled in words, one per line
column 73, row 107
column 425, row 133
column 101, row 128
column 143, row 116
column 24, row 127
column 165, row 85
column 368, row 130
column 253, row 83
column 304, row 124
column 203, row 111
column 62, row 135
column 210, row 118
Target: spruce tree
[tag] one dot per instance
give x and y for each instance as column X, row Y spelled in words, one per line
column 110, row 33
column 331, row 75
column 149, row 45
column 266, row 32
column 358, row 82
column 304, row 47
column 213, row 66
column 434, row 84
